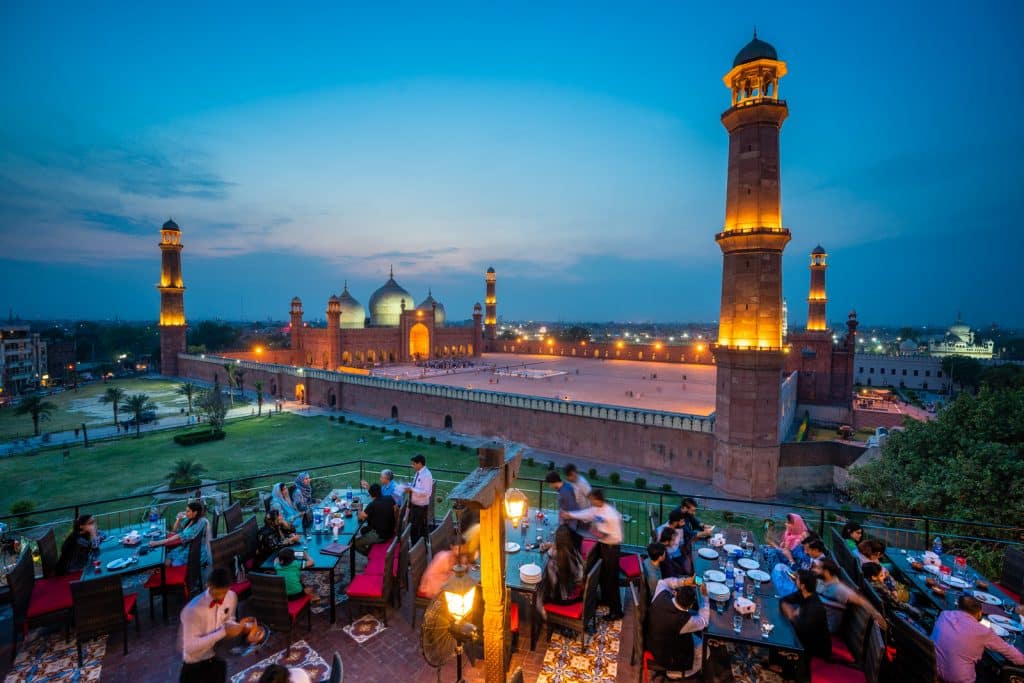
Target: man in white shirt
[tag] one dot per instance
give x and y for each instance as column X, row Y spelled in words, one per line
column 606, row 528
column 580, row 486
column 421, row 488
column 205, row 621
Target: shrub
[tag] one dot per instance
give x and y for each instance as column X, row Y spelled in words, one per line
column 341, row 419
column 330, row 418
column 433, row 439
column 193, row 438
column 395, row 431
column 23, row 508
column 614, row 477
column 419, row 437
column 530, row 461
column 592, row 473
column 447, row 444
column 408, row 434
column 463, row 447
column 666, row 487
column 640, row 483
column 551, row 465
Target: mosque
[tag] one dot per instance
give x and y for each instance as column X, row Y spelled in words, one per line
column 959, row 341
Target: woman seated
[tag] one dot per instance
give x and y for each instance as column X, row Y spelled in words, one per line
column 781, row 551
column 74, row 553
column 188, row 525
column 302, row 500
column 895, row 595
column 274, row 535
column 563, row 581
column 852, row 534
column 870, row 551
column 281, row 501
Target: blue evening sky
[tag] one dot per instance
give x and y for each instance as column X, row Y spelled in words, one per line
column 576, row 147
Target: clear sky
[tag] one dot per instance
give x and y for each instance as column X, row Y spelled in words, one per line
column 576, row 147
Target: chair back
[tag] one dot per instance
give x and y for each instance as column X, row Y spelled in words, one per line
column 98, row 606
column 337, row 669
column 431, row 511
column 637, row 656
column 21, row 579
column 517, row 676
column 652, row 521
column 48, row 553
column 193, row 569
column 441, row 537
column 232, row 517
column 874, row 598
column 389, row 564
column 1013, row 570
column 845, row 558
column 403, row 559
column 225, row 550
column 417, row 564
column 590, row 592
column 854, row 629
column 874, row 654
column 269, row 601
column 915, row 652
column 250, row 532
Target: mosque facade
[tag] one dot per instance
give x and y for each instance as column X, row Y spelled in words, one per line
column 959, row 341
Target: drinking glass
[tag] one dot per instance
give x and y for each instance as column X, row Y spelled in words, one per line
column 719, row 606
column 743, row 539
column 757, row 610
column 721, row 562
column 1009, row 608
column 766, row 629
column 737, row 623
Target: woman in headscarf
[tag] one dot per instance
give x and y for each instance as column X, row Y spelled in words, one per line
column 282, row 502
column 274, row 535
column 782, row 550
column 74, row 553
column 303, row 497
column 195, row 525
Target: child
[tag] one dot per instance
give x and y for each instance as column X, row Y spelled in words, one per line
column 286, row 566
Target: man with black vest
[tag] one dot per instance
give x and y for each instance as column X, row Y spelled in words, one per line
column 674, row 617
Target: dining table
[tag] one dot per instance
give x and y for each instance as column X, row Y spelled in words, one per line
column 994, row 601
column 120, row 554
column 313, row 541
column 781, row 638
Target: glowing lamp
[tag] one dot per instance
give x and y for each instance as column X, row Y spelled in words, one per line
column 515, row 506
column 259, row 349
column 459, row 594
column 700, row 348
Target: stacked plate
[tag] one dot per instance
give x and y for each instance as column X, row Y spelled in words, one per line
column 530, row 573
column 718, row 591
column 1006, row 622
column 714, row 576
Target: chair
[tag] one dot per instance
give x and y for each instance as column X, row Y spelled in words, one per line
column 374, row 590
column 33, row 604
column 441, row 537
column 1012, row 579
column 337, row 669
column 846, row 559
column 250, row 532
column 875, row 599
column 186, row 579
column 214, row 523
column 517, row 676
column 48, row 554
column 652, row 522
column 402, row 570
column 640, row 653
column 915, row 652
column 232, row 517
column 631, row 569
column 417, row 565
column 848, row 645
column 101, row 607
column 578, row 615
column 874, row 654
column 229, row 552
column 270, row 604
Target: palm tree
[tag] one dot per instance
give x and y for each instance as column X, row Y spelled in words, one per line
column 229, row 368
column 37, row 408
column 188, row 390
column 185, row 473
column 239, row 375
column 258, row 386
column 137, row 404
column 114, row 395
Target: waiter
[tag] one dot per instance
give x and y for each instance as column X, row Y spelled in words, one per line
column 606, row 527
column 205, row 621
column 421, row 489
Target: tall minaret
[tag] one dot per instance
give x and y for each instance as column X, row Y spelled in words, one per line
column 296, row 332
column 333, row 332
column 816, row 298
column 750, row 354
column 172, row 299
column 491, row 311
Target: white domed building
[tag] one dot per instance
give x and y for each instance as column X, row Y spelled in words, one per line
column 959, row 341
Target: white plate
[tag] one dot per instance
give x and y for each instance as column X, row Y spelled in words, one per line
column 758, row 575
column 987, row 597
column 957, row 582
column 747, row 563
column 717, row 591
column 1006, row 622
column 931, row 569
column 714, row 576
column 299, row 554
column 998, row 630
column 119, row 563
column 731, row 548
column 708, row 553
column 511, row 547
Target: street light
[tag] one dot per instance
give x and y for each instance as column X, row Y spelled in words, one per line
column 515, row 506
column 459, row 594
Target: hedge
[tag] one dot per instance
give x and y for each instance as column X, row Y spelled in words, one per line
column 193, row 438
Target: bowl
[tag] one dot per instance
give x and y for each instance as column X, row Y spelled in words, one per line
column 981, row 585
column 930, row 582
column 917, row 566
column 939, row 591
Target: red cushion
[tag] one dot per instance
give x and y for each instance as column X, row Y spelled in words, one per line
column 630, row 566
column 829, row 672
column 366, row 586
column 375, row 567
column 378, row 551
column 250, row 562
column 587, row 546
column 241, row 587
column 129, row 605
column 49, row 597
column 840, row 652
column 513, row 617
column 174, row 576
column 421, row 594
column 573, row 611
column 1009, row 593
column 295, row 606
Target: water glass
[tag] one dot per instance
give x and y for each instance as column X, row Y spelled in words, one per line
column 721, row 562
column 737, row 623
column 719, row 606
column 743, row 539
column 757, row 610
column 766, row 629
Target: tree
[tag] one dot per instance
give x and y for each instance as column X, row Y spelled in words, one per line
column 212, row 406
column 214, row 336
column 229, row 369
column 507, row 335
column 37, row 408
column 240, row 381
column 966, row 464
column 963, row 370
column 258, row 386
column 114, row 396
column 137, row 404
column 185, row 474
column 575, row 334
column 188, row 390
column 1009, row 376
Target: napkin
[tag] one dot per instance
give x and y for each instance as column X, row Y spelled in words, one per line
column 932, row 559
column 743, row 605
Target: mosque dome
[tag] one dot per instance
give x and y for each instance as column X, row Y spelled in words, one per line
column 386, row 303
column 818, row 250
column 353, row 313
column 430, row 303
column 908, row 347
column 490, row 270
column 754, row 50
column 171, row 225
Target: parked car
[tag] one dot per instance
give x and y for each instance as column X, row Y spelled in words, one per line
column 147, row 417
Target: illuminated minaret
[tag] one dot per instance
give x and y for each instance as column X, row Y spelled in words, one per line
column 298, row 357
column 491, row 310
column 750, row 354
column 816, row 298
column 172, row 299
column 333, row 332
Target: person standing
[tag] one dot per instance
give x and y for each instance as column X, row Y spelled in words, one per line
column 960, row 641
column 606, row 527
column 421, row 488
column 205, row 621
column 566, row 503
column 580, row 486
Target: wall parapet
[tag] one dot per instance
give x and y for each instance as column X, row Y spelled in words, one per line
column 600, row 411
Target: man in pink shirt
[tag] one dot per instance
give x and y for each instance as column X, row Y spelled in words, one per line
column 961, row 640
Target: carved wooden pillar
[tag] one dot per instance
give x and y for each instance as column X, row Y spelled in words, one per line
column 492, row 584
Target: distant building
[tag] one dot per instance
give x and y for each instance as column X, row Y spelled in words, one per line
column 907, row 371
column 959, row 341
column 23, row 360
column 60, row 356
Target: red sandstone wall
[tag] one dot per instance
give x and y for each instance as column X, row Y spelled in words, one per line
column 814, row 453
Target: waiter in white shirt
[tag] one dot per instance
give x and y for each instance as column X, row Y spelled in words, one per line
column 421, row 488
column 606, row 528
column 205, row 621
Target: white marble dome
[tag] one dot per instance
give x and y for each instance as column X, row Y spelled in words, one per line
column 386, row 304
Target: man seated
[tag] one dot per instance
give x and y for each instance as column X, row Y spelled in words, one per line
column 379, row 519
column 807, row 555
column 652, row 566
column 960, row 641
column 675, row 618
column 804, row 609
column 836, row 595
column 678, row 562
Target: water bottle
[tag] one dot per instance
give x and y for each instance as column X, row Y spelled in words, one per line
column 318, row 519
column 937, row 546
column 154, row 515
column 728, row 571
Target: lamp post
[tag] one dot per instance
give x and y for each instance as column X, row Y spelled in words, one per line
column 515, row 506
column 459, row 595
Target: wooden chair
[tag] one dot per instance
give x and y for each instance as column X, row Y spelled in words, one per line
column 823, row 671
column 101, row 607
column 214, row 523
column 579, row 615
column 417, row 565
column 270, row 604
column 232, row 517
column 652, row 522
column 848, row 645
column 337, row 669
column 250, row 532
column 374, row 590
column 402, row 569
column 915, row 653
column 48, row 555
column 648, row 668
column 1012, row 580
column 229, row 551
column 441, row 537
column 186, row 579
column 846, row 558
column 33, row 605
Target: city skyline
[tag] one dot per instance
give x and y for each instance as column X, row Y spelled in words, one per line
column 586, row 165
